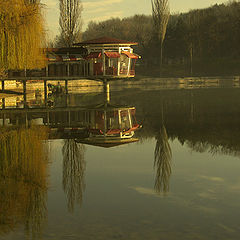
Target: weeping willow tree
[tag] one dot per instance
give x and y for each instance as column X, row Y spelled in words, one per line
column 23, row 184
column 73, row 172
column 162, row 161
column 21, row 35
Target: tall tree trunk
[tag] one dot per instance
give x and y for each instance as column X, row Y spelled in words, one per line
column 161, row 58
column 191, row 59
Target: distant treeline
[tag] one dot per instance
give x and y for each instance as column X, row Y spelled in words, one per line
column 204, row 40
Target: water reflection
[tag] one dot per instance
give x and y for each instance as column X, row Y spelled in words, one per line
column 100, row 124
column 23, row 179
column 74, row 166
column 162, row 161
column 105, row 122
column 197, row 119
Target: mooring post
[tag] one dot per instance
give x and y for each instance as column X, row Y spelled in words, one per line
column 68, row 70
column 66, row 100
column 4, row 119
column 46, row 68
column 4, row 115
column 48, row 118
column 66, row 86
column 3, row 85
column 26, row 119
column 106, row 89
column 84, row 69
column 3, row 103
column 25, row 92
column 45, row 91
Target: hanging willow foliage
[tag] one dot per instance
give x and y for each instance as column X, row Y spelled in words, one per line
column 23, row 179
column 21, row 34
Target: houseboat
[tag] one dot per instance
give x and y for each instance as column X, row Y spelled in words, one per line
column 110, row 57
column 101, row 58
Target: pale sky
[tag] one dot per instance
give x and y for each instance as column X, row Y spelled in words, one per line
column 98, row 10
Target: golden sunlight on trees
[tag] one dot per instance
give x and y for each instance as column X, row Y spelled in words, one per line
column 160, row 14
column 23, row 179
column 70, row 22
column 21, row 34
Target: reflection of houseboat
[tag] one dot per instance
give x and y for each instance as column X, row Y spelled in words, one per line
column 111, row 126
column 112, row 122
column 98, row 58
column 102, row 125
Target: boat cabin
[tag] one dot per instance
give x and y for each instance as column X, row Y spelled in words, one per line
column 110, row 57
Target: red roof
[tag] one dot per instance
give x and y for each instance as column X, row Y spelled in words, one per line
column 94, row 55
column 106, row 40
column 112, row 54
column 99, row 54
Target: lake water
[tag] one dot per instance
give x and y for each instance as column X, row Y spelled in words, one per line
column 178, row 179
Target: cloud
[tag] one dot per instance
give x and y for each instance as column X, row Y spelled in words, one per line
column 205, row 209
column 106, row 16
column 213, row 179
column 146, row 191
column 102, row 3
column 50, row 3
column 96, row 10
column 208, row 195
column 226, row 228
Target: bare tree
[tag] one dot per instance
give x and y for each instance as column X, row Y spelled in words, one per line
column 70, row 21
column 74, row 166
column 160, row 13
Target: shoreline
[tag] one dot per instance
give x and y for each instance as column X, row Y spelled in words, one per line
column 87, row 85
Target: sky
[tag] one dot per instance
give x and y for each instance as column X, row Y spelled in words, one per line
column 99, row 10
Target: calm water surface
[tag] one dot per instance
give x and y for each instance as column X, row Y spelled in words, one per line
column 179, row 181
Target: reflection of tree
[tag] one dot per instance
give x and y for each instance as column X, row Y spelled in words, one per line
column 23, row 185
column 217, row 148
column 162, row 161
column 73, row 172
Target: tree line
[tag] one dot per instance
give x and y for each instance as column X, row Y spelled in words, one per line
column 201, row 41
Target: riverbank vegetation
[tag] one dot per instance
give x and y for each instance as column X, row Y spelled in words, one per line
column 21, row 35
column 199, row 42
